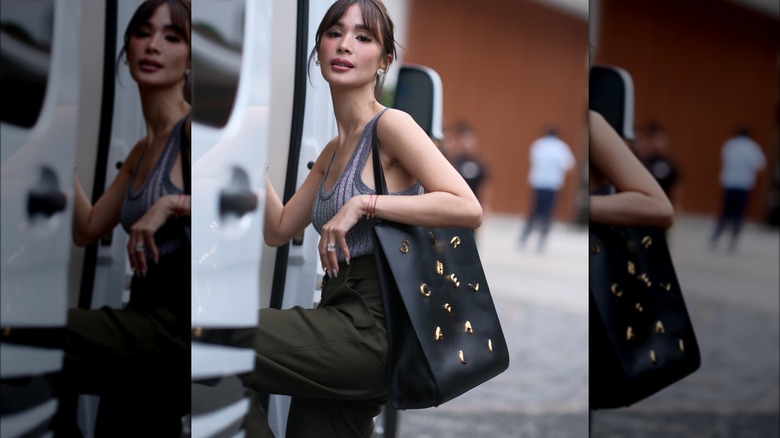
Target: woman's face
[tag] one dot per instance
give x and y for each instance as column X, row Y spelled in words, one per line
column 157, row 55
column 349, row 54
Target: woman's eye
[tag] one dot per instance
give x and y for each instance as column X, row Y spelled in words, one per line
column 173, row 38
column 141, row 34
column 334, row 34
column 364, row 38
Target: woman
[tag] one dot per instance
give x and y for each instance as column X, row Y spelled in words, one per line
column 137, row 358
column 332, row 359
column 638, row 200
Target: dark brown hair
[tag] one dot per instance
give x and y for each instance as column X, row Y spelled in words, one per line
column 378, row 24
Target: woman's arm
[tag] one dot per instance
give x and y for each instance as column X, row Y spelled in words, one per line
column 407, row 155
column 142, row 232
column 284, row 221
column 91, row 222
column 639, row 200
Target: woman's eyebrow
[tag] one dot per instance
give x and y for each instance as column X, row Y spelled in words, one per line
column 174, row 28
column 357, row 26
column 169, row 26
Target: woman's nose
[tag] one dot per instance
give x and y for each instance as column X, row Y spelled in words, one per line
column 343, row 48
column 154, row 44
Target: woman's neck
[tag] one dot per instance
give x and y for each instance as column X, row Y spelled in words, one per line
column 162, row 108
column 353, row 109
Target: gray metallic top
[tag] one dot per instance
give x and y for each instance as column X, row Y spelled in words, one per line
column 360, row 239
column 169, row 237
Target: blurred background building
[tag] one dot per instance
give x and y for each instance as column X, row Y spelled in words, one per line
column 701, row 68
column 510, row 68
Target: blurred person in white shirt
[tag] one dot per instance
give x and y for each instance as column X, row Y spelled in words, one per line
column 550, row 158
column 741, row 160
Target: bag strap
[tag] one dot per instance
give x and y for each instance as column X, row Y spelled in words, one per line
column 184, row 144
column 380, row 185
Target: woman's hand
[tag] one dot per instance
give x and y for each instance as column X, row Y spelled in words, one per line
column 335, row 231
column 142, row 233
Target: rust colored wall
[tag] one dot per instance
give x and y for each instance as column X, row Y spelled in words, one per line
column 700, row 68
column 510, row 68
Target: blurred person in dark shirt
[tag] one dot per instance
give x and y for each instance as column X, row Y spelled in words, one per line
column 463, row 150
column 658, row 160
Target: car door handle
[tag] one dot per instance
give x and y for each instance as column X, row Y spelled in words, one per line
column 45, row 202
column 237, row 202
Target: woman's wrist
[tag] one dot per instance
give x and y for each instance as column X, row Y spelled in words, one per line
column 369, row 209
column 179, row 205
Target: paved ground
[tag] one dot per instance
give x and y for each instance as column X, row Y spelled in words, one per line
column 734, row 301
column 542, row 302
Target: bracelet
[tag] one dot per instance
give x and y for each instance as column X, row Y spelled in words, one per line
column 179, row 209
column 368, row 206
column 373, row 206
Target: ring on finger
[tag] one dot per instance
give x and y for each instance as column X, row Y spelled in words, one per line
column 139, row 247
column 331, row 247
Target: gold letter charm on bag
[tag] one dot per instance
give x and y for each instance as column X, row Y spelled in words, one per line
column 439, row 335
column 462, row 359
column 455, row 242
column 467, row 328
column 439, row 267
column 474, row 287
column 425, row 290
column 454, row 280
column 404, row 246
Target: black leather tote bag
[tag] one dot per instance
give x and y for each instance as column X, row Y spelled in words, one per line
column 444, row 334
column 641, row 336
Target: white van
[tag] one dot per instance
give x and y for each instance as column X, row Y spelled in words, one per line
column 67, row 109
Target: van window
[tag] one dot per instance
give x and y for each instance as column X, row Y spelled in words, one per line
column 217, row 44
column 26, row 29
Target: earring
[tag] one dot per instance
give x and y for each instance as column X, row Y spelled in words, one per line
column 380, row 72
column 317, row 63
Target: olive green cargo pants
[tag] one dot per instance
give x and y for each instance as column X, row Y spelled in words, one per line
column 331, row 360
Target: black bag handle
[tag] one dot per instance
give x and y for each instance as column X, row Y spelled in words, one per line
column 185, row 159
column 380, row 185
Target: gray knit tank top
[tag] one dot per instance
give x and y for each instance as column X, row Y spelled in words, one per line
column 169, row 237
column 360, row 240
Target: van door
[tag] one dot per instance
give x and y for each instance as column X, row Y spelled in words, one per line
column 110, row 122
column 302, row 123
column 231, row 94
column 39, row 52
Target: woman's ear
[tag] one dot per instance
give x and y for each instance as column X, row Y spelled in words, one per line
column 388, row 61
